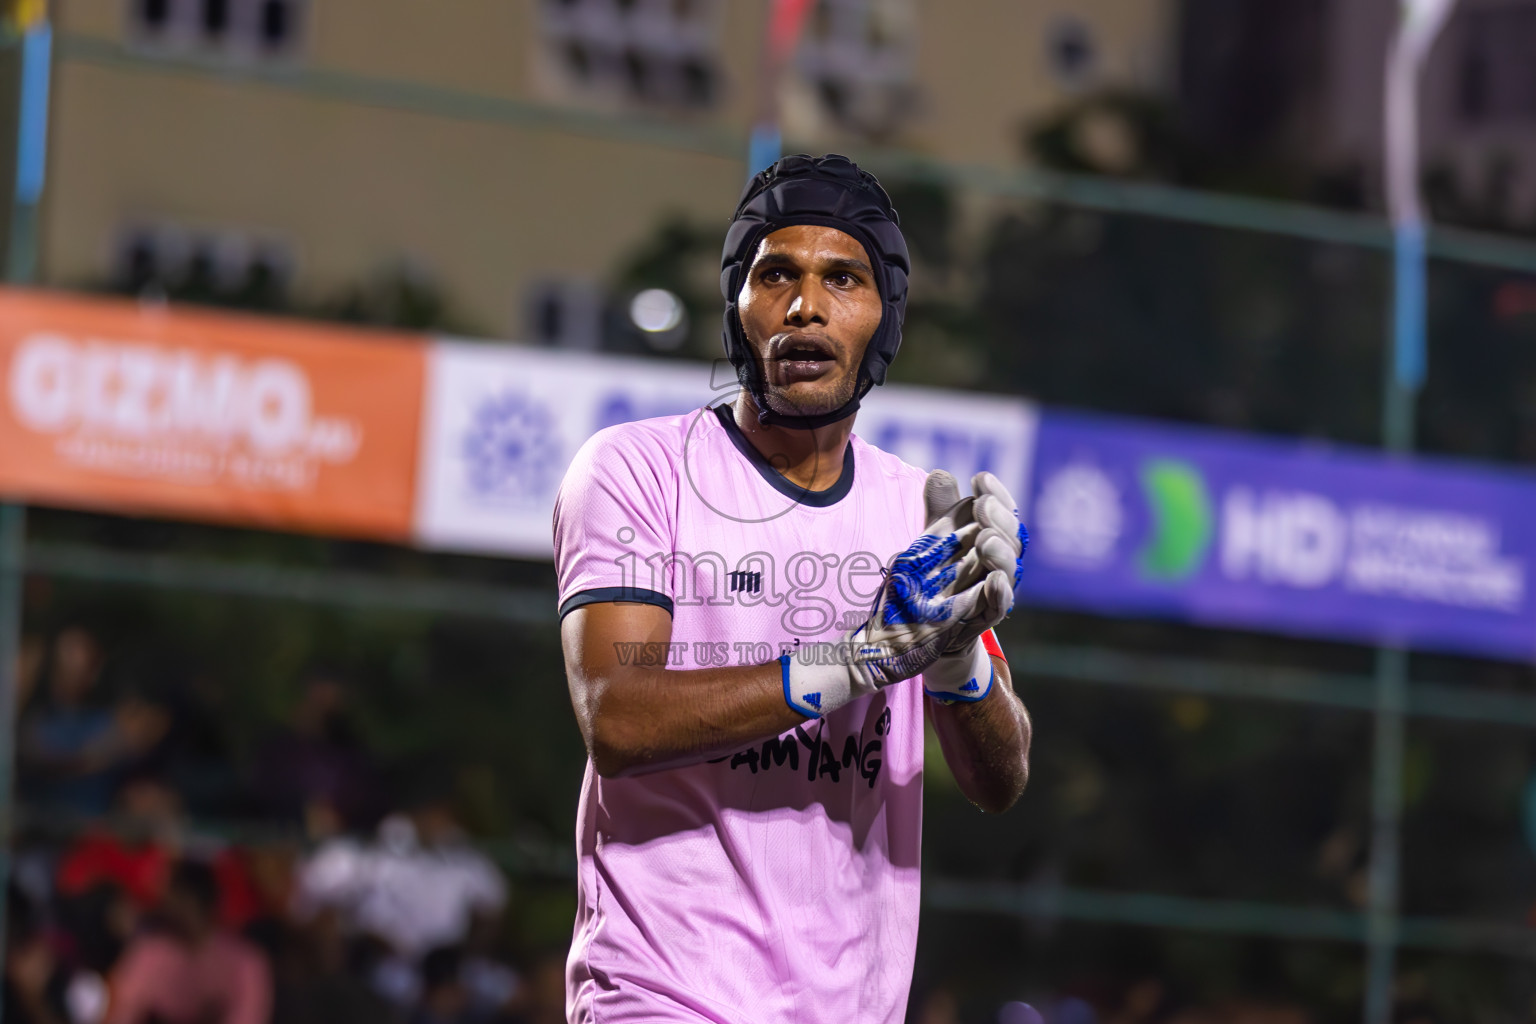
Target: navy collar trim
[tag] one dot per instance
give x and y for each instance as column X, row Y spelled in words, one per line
column 778, row 481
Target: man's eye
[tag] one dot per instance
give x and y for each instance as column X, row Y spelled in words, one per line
column 773, row 276
column 842, row 280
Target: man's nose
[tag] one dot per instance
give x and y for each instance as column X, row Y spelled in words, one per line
column 808, row 306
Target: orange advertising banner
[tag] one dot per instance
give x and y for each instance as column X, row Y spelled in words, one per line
column 124, row 407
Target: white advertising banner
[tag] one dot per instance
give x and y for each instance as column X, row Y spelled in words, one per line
column 500, row 424
column 961, row 431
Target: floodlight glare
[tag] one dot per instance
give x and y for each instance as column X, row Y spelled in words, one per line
column 656, row 311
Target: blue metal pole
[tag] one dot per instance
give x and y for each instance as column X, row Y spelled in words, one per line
column 1409, row 348
column 1406, row 367
column 767, row 146
column 21, row 268
column 31, row 152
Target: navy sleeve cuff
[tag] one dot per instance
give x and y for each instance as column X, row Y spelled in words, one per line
column 600, row 595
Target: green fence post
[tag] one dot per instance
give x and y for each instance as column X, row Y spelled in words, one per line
column 13, row 527
column 1382, row 919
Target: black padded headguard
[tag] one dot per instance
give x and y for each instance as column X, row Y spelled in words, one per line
column 833, row 192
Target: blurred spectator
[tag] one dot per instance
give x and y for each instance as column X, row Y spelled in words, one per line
column 542, row 1000
column 444, row 999
column 320, row 977
column 96, row 924
column 1017, row 1012
column 35, row 986
column 270, row 870
column 194, row 755
column 492, row 988
column 419, row 886
column 1144, row 1001
column 73, row 746
column 30, row 655
column 939, row 1006
column 1072, row 1010
column 317, row 770
column 33, row 991
column 1242, row 1011
column 187, row 969
column 138, row 854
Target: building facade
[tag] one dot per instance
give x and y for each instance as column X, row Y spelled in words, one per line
column 1301, row 83
column 497, row 148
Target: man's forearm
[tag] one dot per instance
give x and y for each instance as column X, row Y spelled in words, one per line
column 636, row 715
column 645, row 719
column 986, row 743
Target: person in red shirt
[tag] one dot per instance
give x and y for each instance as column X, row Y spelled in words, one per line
column 188, row 969
column 138, row 856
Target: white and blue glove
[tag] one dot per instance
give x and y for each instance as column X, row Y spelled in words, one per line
column 964, row 673
column 919, row 613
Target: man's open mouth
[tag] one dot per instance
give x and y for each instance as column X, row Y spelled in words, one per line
column 803, row 356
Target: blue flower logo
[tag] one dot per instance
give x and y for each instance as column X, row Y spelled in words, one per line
column 512, row 449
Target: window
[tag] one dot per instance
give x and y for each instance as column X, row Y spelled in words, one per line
column 859, row 56
column 1070, row 51
column 154, row 15
column 659, row 53
column 224, row 267
column 260, row 29
column 565, row 313
column 1497, row 71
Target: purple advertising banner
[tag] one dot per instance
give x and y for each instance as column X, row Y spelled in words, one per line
column 1129, row 517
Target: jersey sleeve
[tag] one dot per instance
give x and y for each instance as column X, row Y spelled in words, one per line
column 612, row 522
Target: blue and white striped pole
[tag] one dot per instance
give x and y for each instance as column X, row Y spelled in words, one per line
column 1405, row 368
column 1420, row 24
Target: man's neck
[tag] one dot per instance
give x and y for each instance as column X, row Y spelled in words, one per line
column 810, row 459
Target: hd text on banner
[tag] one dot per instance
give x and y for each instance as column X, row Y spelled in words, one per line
column 1134, row 518
column 502, row 423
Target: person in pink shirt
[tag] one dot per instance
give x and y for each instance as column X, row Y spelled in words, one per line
column 189, row 970
column 758, row 611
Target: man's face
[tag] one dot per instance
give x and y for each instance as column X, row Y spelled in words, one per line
column 809, row 306
column 76, row 664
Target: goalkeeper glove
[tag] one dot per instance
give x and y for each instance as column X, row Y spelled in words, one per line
column 964, row 673
column 918, row 614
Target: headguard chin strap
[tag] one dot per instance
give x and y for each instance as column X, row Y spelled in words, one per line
column 830, row 191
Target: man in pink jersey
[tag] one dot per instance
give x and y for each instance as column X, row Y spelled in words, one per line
column 744, row 652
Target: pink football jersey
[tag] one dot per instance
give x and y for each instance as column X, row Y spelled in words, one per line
column 780, row 882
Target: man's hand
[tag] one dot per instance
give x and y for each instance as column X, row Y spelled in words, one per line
column 918, row 614
column 1001, row 538
column 963, row 673
column 985, row 735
